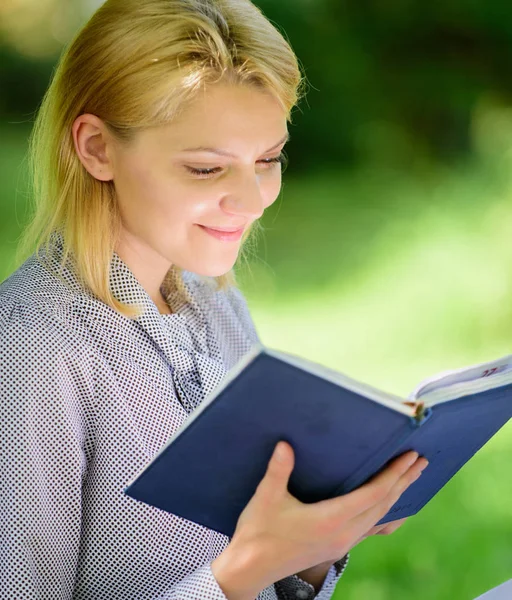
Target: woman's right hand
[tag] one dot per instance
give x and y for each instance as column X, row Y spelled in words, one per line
column 277, row 535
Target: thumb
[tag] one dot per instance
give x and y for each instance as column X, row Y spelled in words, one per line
column 279, row 469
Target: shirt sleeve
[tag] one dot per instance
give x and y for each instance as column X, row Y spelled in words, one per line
column 46, row 389
column 199, row 584
column 202, row 583
column 295, row 588
column 42, row 460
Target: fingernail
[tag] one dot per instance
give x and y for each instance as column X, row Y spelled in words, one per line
column 280, row 452
column 412, row 459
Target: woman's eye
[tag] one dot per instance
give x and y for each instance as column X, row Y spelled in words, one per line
column 204, row 172
column 207, row 173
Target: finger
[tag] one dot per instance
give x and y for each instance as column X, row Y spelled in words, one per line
column 364, row 521
column 378, row 488
column 385, row 531
column 280, row 466
column 376, row 530
column 398, row 489
column 390, row 528
column 372, row 492
column 386, row 528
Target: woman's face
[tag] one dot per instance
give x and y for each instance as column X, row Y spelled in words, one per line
column 166, row 205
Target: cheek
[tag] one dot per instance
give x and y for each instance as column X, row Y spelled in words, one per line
column 147, row 195
column 138, row 189
column 182, row 204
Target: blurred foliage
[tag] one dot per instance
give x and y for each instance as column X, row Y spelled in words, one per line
column 388, row 254
column 394, row 80
column 38, row 28
column 390, row 80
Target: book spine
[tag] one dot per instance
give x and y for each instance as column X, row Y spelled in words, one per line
column 383, row 455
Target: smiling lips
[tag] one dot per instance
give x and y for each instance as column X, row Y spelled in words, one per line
column 224, row 234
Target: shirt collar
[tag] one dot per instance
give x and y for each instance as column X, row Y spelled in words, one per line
column 199, row 373
column 127, row 289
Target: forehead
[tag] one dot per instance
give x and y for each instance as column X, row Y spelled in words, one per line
column 226, row 115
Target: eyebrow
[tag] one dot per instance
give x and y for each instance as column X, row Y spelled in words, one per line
column 286, row 138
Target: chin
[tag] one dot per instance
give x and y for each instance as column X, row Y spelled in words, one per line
column 210, row 269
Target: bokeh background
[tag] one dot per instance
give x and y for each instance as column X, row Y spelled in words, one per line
column 388, row 255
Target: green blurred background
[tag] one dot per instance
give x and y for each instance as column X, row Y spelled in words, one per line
column 388, row 255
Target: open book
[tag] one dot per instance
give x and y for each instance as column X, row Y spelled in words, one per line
column 342, row 431
column 502, row 592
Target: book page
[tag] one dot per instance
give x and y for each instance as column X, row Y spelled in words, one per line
column 502, row 592
column 460, row 382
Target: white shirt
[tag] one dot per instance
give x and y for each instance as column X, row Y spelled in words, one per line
column 87, row 398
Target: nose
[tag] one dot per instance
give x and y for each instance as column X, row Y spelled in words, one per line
column 245, row 198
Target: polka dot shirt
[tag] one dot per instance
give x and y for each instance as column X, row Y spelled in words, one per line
column 87, row 398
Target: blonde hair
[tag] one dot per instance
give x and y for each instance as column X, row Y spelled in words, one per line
column 135, row 64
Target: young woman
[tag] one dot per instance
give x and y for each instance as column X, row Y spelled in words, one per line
column 155, row 151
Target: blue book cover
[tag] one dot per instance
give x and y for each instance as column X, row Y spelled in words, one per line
column 342, row 431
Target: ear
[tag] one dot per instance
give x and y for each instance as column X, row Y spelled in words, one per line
column 93, row 145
